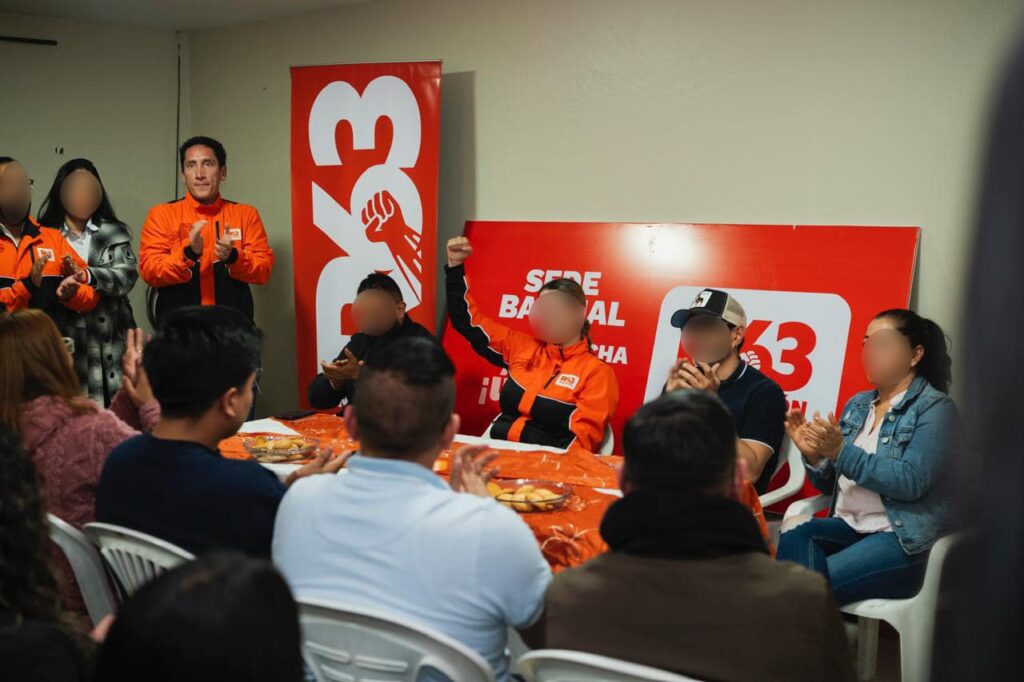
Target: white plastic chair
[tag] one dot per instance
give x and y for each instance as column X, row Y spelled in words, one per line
column 87, row 566
column 912, row 618
column 560, row 665
column 135, row 558
column 344, row 642
column 797, row 475
column 606, row 448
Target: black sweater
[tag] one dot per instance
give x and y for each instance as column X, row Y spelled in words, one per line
column 323, row 396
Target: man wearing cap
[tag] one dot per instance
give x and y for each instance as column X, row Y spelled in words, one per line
column 712, row 330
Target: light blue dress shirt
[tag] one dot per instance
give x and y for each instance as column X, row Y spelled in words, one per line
column 392, row 535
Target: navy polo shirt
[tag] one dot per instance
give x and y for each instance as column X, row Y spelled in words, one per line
column 187, row 494
column 759, row 407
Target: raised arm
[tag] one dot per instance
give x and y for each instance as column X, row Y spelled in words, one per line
column 493, row 341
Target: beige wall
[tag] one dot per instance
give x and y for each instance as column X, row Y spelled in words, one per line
column 742, row 111
column 781, row 112
column 107, row 93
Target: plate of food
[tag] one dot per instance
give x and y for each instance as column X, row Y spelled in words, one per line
column 527, row 495
column 272, row 448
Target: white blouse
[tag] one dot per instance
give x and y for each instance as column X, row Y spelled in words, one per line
column 862, row 509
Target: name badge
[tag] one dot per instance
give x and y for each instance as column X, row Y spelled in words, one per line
column 234, row 234
column 567, row 381
column 44, row 253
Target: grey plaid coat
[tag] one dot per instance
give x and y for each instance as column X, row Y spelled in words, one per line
column 99, row 334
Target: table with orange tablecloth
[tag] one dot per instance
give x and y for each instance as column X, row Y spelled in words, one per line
column 567, row 536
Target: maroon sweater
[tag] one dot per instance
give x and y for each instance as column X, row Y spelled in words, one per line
column 69, row 447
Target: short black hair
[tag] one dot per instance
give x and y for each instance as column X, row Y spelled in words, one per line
column 404, row 397
column 6, row 159
column 385, row 283
column 197, row 140
column 185, row 625
column 685, row 441
column 200, row 353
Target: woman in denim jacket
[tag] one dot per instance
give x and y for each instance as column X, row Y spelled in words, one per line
column 883, row 463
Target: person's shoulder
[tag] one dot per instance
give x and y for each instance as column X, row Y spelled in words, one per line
column 761, row 382
column 781, row 580
column 140, row 443
column 931, row 397
column 165, row 209
column 127, row 452
column 596, row 367
column 246, row 471
column 113, row 229
column 308, row 489
column 763, row 388
column 241, row 207
column 414, row 328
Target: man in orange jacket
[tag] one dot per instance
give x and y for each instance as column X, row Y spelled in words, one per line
column 203, row 249
column 35, row 264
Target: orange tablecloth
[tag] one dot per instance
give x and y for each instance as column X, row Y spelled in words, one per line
column 568, row 536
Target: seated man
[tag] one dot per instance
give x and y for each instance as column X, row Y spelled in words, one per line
column 392, row 535
column 688, row 585
column 172, row 482
column 712, row 331
column 379, row 312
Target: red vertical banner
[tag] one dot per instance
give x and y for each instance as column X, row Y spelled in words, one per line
column 364, row 151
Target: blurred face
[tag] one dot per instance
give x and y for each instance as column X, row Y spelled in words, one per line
column 375, row 312
column 887, row 356
column 707, row 338
column 202, row 173
column 556, row 317
column 81, row 194
column 15, row 193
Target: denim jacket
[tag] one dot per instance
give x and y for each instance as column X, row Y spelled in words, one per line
column 916, row 443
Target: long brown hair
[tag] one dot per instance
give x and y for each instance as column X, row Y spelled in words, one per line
column 573, row 288
column 34, row 363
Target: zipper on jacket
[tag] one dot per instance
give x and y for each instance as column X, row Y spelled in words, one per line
column 558, row 370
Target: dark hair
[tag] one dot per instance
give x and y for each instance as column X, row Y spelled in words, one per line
column 574, row 289
column 382, row 282
column 224, row 616
column 200, row 353
column 6, row 160
column 52, row 212
column 404, row 397
column 203, row 140
column 29, row 585
column 684, row 441
column 935, row 367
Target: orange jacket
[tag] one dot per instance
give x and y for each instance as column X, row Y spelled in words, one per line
column 16, row 288
column 167, row 263
column 559, row 396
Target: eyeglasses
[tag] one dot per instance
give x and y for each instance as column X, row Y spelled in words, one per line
column 256, row 384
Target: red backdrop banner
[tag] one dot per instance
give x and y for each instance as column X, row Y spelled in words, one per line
column 364, row 151
column 809, row 293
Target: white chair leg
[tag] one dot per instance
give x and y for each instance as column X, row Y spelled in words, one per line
column 915, row 655
column 867, row 648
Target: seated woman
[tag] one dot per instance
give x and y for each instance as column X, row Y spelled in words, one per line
column 883, row 463
column 558, row 393
column 38, row 641
column 68, row 436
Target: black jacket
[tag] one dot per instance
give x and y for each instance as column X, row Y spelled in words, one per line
column 323, row 396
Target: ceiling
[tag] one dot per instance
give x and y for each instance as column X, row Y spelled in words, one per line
column 182, row 15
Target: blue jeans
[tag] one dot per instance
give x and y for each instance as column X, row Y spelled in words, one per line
column 857, row 565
